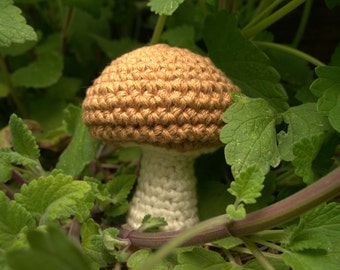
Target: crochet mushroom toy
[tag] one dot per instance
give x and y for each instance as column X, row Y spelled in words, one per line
column 170, row 102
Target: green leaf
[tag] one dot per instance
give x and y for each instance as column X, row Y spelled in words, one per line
column 305, row 151
column 89, row 6
column 115, row 48
column 114, row 245
column 22, row 138
column 228, row 242
column 72, row 117
column 43, row 72
column 303, row 121
column 317, row 229
column 250, row 135
column 327, row 88
column 128, row 154
column 140, row 256
column 200, row 258
column 56, row 197
column 164, row 7
column 16, row 49
column 119, row 187
column 93, row 246
column 335, row 60
column 332, row 3
column 246, row 65
column 14, row 220
column 51, row 249
column 247, row 185
column 65, row 88
column 256, row 265
column 5, row 170
column 82, row 149
column 182, row 36
column 236, row 213
column 296, row 75
column 13, row 27
column 312, row 260
column 11, row 157
column 151, row 224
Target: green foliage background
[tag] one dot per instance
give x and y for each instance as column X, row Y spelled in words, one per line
column 281, row 133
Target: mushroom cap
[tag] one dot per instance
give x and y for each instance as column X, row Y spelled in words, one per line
column 159, row 95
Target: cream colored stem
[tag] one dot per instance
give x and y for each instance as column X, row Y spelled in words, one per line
column 166, row 188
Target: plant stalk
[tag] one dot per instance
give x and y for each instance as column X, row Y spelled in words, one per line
column 158, row 29
column 290, row 50
column 258, row 254
column 303, row 22
column 271, row 216
column 252, row 31
column 264, row 13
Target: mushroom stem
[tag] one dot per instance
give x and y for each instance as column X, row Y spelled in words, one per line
column 166, row 188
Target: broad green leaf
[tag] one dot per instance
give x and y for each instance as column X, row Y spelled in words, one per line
column 22, row 138
column 16, row 49
column 89, row 6
column 327, row 87
column 13, row 26
column 139, row 257
column 82, row 149
column 228, row 242
column 317, row 229
column 214, row 198
column 236, row 213
column 14, row 220
column 200, row 259
column 5, row 170
column 120, row 187
column 65, row 88
column 166, row 7
column 250, row 135
column 241, row 61
column 312, row 260
column 303, row 121
column 72, row 117
column 332, row 3
column 256, row 265
column 11, row 157
column 115, row 48
column 43, row 72
column 55, row 197
column 247, row 185
column 51, row 250
column 335, row 60
column 305, row 151
column 296, row 75
column 181, row 36
column 150, row 224
column 128, row 154
column 93, row 246
column 114, row 245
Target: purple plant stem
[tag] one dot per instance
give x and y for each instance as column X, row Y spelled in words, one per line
column 266, row 218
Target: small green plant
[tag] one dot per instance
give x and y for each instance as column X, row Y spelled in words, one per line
column 267, row 200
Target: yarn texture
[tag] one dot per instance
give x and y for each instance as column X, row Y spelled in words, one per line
column 169, row 101
column 166, row 188
column 159, row 95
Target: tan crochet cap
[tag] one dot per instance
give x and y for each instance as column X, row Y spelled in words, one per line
column 159, row 95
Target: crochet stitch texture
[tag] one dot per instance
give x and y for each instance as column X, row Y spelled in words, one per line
column 166, row 188
column 170, row 101
column 159, row 95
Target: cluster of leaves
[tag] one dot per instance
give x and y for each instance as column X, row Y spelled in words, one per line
column 281, row 134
